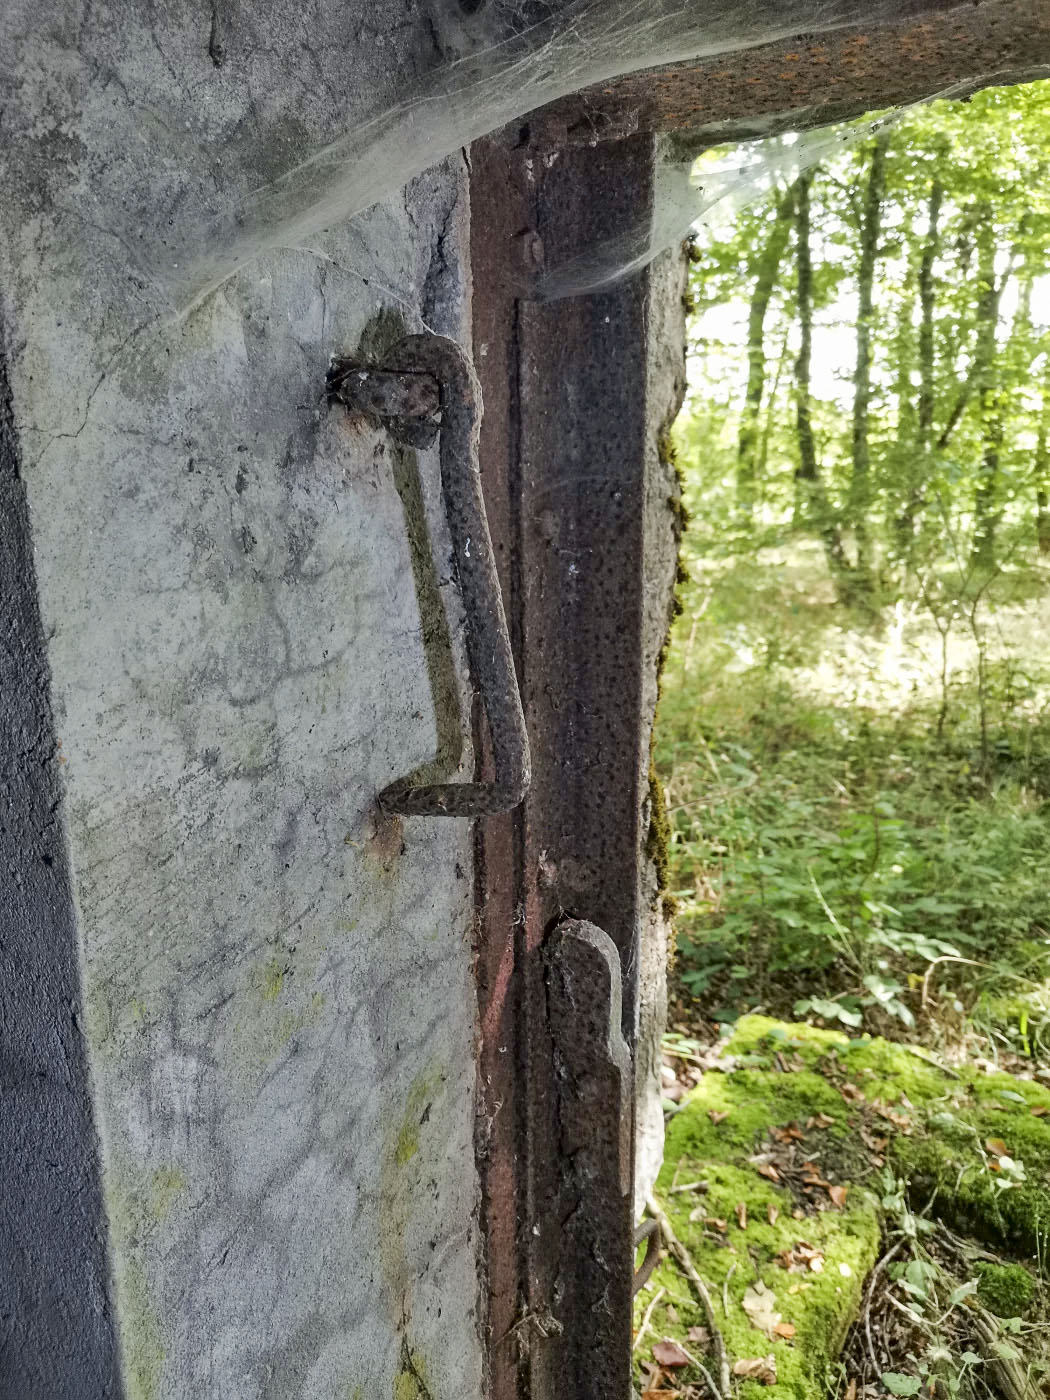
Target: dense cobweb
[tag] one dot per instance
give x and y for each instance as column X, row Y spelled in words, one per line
column 548, row 53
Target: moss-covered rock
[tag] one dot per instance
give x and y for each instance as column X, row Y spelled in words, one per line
column 792, row 1139
column 1007, row 1290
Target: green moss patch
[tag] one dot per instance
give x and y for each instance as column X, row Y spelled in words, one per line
column 776, row 1169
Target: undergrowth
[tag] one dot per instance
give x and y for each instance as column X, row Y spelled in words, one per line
column 842, row 849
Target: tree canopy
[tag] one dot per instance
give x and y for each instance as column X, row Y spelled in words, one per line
column 893, row 399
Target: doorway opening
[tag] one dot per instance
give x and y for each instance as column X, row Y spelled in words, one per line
column 854, row 742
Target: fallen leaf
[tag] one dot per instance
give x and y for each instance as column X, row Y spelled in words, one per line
column 768, row 1170
column 670, row 1354
column 698, row 1334
column 718, row 1115
column 816, row 1266
column 851, row 1093
column 838, row 1195
column 1039, row 1110
column 785, row 1329
column 760, row 1303
column 741, row 1214
column 660, row 1395
column 820, row 1120
column 713, row 1223
column 760, row 1368
column 791, row 1133
column 851, row 1391
column 997, row 1147
column 772, row 1212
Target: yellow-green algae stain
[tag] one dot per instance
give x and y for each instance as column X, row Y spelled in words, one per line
column 420, row 1093
column 276, row 1006
column 398, row 1199
column 411, row 1382
column 271, row 979
column 942, row 1122
column 137, row 1208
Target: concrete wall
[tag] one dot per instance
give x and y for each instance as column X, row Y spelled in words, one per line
column 246, row 639
column 663, row 523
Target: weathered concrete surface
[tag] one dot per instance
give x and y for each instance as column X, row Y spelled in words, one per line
column 662, row 527
column 246, row 641
column 54, row 1311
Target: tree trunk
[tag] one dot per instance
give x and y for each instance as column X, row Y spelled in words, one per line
column 860, row 484
column 764, row 268
column 1041, row 468
column 813, row 503
column 987, row 514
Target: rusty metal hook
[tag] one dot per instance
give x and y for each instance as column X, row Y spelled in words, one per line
column 426, row 375
column 648, row 1230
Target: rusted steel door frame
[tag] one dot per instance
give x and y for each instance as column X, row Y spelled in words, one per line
column 564, row 470
column 563, row 462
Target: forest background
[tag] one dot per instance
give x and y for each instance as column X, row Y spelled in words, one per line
column 854, row 732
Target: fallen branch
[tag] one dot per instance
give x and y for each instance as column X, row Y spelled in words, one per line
column 716, row 1394
column 869, row 1295
column 969, row 962
column 678, row 1249
column 647, row 1318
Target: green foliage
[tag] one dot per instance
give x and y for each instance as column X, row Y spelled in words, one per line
column 778, row 1083
column 1007, row 1290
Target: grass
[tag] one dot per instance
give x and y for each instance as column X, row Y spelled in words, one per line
column 806, row 1144
column 839, row 849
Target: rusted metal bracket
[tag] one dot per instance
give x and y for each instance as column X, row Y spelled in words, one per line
column 649, row 1232
column 594, row 1280
column 427, row 388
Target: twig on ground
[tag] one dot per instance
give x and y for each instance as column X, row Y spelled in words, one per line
column 969, row 962
column 933, row 1064
column 647, row 1317
column 716, row 1394
column 869, row 1294
column 725, row 1288
column 678, row 1249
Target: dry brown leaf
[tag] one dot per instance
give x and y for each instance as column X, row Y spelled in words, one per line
column 997, row 1147
column 1039, row 1110
column 791, row 1133
column 660, row 1395
column 851, row 1093
column 717, row 1115
column 785, row 1329
column 741, row 1214
column 711, row 1221
column 700, row 1335
column 670, row 1354
column 838, row 1195
column 767, row 1169
column 759, row 1368
column 820, row 1120
column 760, row 1304
column 772, row 1212
column 851, row 1391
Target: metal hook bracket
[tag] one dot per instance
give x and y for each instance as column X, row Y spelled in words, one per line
column 427, row 389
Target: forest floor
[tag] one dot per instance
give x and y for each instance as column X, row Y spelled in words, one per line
column 858, row 841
